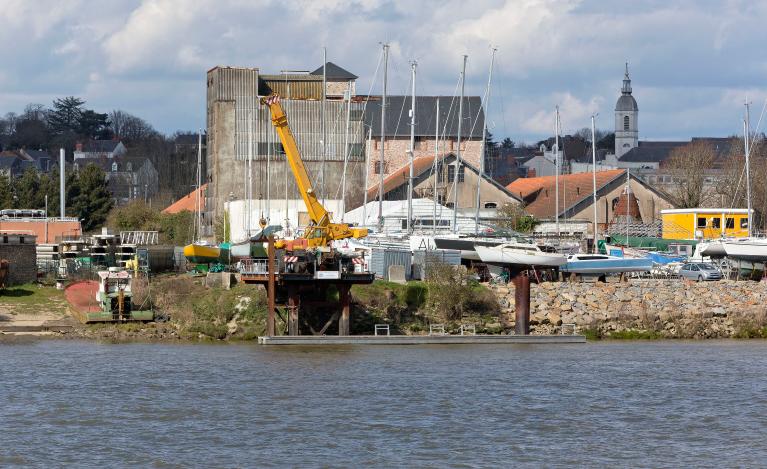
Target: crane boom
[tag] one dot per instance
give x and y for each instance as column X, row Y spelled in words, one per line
column 317, row 212
column 323, row 230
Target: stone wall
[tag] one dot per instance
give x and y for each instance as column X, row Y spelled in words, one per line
column 22, row 259
column 670, row 308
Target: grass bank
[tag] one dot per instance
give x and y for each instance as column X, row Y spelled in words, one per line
column 32, row 298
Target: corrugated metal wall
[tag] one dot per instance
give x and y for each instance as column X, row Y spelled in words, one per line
column 381, row 259
column 292, row 86
column 241, row 85
column 423, row 258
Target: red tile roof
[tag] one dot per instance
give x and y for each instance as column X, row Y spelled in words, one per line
column 187, row 202
column 539, row 192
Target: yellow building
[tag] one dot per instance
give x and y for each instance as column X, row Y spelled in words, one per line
column 704, row 223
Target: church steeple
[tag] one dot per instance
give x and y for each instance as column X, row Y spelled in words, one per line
column 626, row 82
column 626, row 119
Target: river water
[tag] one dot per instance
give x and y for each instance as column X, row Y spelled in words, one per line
column 66, row 403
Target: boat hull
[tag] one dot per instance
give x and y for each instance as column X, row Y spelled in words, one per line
column 713, row 249
column 467, row 246
column 199, row 254
column 608, row 266
column 747, row 250
column 510, row 256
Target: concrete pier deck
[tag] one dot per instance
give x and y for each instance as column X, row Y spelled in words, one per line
column 420, row 339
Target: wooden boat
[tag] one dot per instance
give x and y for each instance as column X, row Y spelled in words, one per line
column 519, row 254
column 202, row 253
column 602, row 264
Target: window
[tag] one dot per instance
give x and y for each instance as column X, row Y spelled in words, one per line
column 730, row 224
column 744, row 222
column 449, row 205
column 716, row 222
column 451, row 173
column 694, row 268
column 626, row 123
column 701, row 222
column 129, row 167
column 114, row 166
column 21, row 240
column 377, row 167
column 491, row 205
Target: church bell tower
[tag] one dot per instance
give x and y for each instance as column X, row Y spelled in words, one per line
column 626, row 119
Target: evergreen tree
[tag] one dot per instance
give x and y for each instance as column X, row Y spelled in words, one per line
column 65, row 115
column 27, row 190
column 92, row 201
column 94, row 125
column 49, row 186
column 6, row 192
column 507, row 143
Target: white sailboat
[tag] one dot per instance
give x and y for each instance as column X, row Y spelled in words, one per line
column 751, row 249
column 517, row 253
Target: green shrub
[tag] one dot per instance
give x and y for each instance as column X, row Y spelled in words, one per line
column 214, row 331
column 633, row 334
column 592, row 333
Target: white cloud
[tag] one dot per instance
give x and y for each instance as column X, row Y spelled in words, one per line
column 693, row 62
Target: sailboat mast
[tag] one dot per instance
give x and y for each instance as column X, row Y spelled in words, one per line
column 458, row 152
column 269, row 152
column 434, row 172
column 556, row 169
column 628, row 198
column 322, row 118
column 249, row 189
column 383, row 138
column 746, row 136
column 484, row 143
column 346, row 150
column 594, row 175
column 367, row 174
column 198, row 202
column 409, row 224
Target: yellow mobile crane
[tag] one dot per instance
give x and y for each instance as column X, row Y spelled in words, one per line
column 322, row 230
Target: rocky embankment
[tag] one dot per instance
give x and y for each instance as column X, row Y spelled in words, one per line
column 645, row 308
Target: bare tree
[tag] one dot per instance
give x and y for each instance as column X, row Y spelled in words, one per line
column 131, row 129
column 689, row 166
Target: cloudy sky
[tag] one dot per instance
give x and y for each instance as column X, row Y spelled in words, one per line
column 693, row 63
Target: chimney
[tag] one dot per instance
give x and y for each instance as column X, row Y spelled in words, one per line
column 78, row 146
column 531, row 173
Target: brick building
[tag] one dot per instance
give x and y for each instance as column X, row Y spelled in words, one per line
column 397, row 131
column 19, row 250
